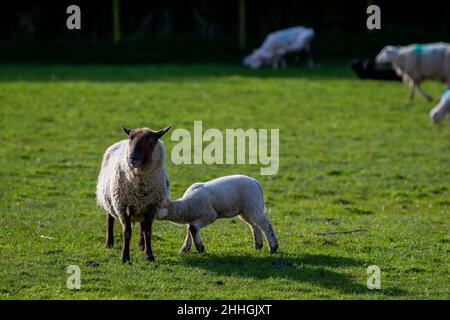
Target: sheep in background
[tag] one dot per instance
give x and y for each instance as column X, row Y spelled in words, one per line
column 132, row 186
column 277, row 44
column 443, row 108
column 224, row 197
column 417, row 62
column 366, row 69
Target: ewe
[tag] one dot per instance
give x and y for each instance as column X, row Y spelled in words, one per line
column 224, row 197
column 417, row 62
column 133, row 186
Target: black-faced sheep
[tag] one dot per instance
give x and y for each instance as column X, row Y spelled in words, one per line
column 367, row 69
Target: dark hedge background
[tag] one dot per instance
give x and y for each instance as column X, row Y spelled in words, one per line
column 207, row 31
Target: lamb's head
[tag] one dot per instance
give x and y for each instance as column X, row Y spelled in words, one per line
column 388, row 54
column 141, row 144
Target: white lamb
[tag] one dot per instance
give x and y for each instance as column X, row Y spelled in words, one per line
column 442, row 108
column 418, row 62
column 279, row 43
column 132, row 186
column 224, row 197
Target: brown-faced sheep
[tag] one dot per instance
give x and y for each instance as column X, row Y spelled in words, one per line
column 132, row 186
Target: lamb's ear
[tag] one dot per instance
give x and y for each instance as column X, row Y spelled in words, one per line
column 161, row 132
column 126, row 130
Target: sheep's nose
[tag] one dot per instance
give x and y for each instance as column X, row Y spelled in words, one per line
column 135, row 162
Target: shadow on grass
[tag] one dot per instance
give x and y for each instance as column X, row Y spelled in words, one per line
column 305, row 268
column 162, row 72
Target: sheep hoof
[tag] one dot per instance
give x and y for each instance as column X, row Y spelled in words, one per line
column 149, row 257
column 126, row 259
column 258, row 246
column 184, row 250
column 109, row 245
column 274, row 249
column 201, row 248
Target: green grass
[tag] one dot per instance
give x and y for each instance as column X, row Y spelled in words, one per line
column 353, row 155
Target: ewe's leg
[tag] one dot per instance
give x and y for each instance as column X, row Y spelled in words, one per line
column 146, row 227
column 263, row 222
column 194, row 230
column 412, row 91
column 109, row 231
column 424, row 94
column 141, row 243
column 126, row 229
column 257, row 235
column 187, row 242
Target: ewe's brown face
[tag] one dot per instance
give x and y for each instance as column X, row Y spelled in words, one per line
column 142, row 142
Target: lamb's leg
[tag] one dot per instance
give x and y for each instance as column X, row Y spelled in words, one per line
column 109, row 231
column 126, row 229
column 424, row 94
column 257, row 235
column 146, row 227
column 187, row 242
column 263, row 222
column 194, row 230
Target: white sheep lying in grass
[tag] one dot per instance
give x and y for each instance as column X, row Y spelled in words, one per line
column 224, row 197
column 442, row 108
column 132, row 186
column 418, row 62
column 279, row 43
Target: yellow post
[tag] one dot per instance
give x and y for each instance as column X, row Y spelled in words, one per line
column 116, row 21
column 242, row 24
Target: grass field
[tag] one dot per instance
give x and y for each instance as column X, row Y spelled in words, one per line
column 353, row 155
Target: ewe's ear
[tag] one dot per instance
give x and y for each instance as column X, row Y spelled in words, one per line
column 161, row 132
column 126, row 130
